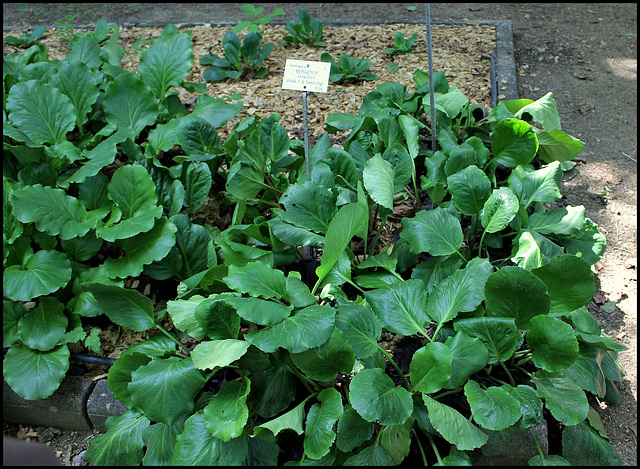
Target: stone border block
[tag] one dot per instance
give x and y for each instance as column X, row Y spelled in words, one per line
column 101, row 405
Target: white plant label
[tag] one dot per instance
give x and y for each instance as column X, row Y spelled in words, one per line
column 303, row 75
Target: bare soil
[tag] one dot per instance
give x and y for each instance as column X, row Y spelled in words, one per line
column 586, row 54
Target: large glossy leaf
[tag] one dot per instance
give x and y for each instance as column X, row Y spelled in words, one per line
column 122, row 444
column 319, row 433
column 374, row 396
column 588, row 243
column 125, row 307
column 361, row 327
column 165, row 388
column 258, row 311
column 542, row 185
column 401, row 308
column 499, row 335
column 53, row 211
column 196, row 446
column 160, row 439
column 43, row 326
column 324, row 362
column 352, row 430
column 470, row 188
column 130, row 104
column 43, row 272
column 462, row 291
column 468, row 355
column 374, row 455
column 435, row 231
column 291, row 420
column 227, row 412
column 570, row 282
column 431, row 367
column 183, row 317
column 499, row 209
column 514, row 292
column 309, row 205
column 218, row 353
column 218, row 319
column 33, row 374
column 557, row 145
column 378, row 178
column 197, row 185
column 42, row 112
column 257, row 279
column 493, row 408
column 562, row 396
column 453, row 427
column 564, row 220
column 533, row 250
column 402, row 164
column 79, row 84
column 166, row 62
column 306, row 329
column 142, row 249
column 530, row 404
column 514, row 143
column 553, row 343
column 582, row 445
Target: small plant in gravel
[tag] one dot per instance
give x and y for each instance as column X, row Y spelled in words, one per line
column 257, row 354
column 305, row 31
column 402, row 45
column 253, row 25
column 241, row 59
column 348, row 69
column 27, row 40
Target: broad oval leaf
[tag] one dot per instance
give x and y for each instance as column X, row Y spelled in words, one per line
column 470, row 188
column 453, row 426
column 319, row 433
column 43, row 326
column 374, row 396
column 324, row 362
column 402, row 307
column 435, row 231
column 352, row 430
column 44, row 272
column 79, row 84
column 499, row 335
column 499, row 209
column 431, row 367
column 124, row 306
column 45, row 111
column 582, row 445
column 258, row 311
column 34, row 374
column 553, row 342
column 468, row 355
column 530, row 404
column 218, row 353
column 378, row 178
column 122, row 444
column 562, row 396
column 514, row 143
column 227, row 412
column 493, row 408
column 309, row 205
column 257, row 279
column 130, row 104
column 361, row 327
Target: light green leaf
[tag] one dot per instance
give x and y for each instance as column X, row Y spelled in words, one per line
column 319, row 433
column 79, row 84
column 453, row 427
column 435, row 231
column 42, row 327
column 34, row 374
column 165, row 63
column 291, row 420
column 258, row 311
column 514, row 143
column 122, row 445
column 218, row 353
column 543, row 110
column 378, row 178
column 374, row 396
column 431, row 367
column 257, row 279
column 182, row 314
column 227, row 412
column 401, row 308
column 562, row 396
column 564, row 220
column 493, row 408
column 43, row 272
column 501, row 207
column 470, row 188
column 543, row 185
column 499, row 335
column 553, row 343
column 125, row 307
column 557, row 145
column 129, row 103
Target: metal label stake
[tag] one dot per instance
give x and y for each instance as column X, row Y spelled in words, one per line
column 434, row 139
column 306, row 134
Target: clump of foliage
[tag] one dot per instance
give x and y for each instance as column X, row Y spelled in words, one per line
column 27, row 40
column 268, row 363
column 348, row 69
column 402, row 45
column 305, row 31
column 253, row 25
column 240, row 59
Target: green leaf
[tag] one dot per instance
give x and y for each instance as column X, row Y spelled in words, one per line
column 263, row 312
column 543, row 185
column 468, row 356
column 79, row 84
column 570, row 282
column 44, row 112
column 501, row 207
column 513, row 292
column 378, row 178
column 309, row 205
column 431, row 367
column 182, row 314
column 165, row 388
column 122, row 444
column 493, row 408
column 52, row 211
column 402, row 164
column 257, row 279
column 453, row 427
column 562, row 396
column 564, row 220
column 361, row 327
column 374, row 396
column 165, row 63
column 499, row 335
column 34, row 374
column 514, row 143
column 306, row 329
column 197, row 185
column 589, row 243
column 227, row 412
column 291, row 420
column 543, row 110
column 125, row 307
column 352, row 430
column 396, row 439
column 11, row 314
column 532, row 250
column 402, row 308
column 142, row 249
column 324, row 362
column 43, row 272
column 196, row 446
column 557, row 145
column 218, row 319
column 553, row 343
column 319, row 433
column 435, row 231
column 470, row 188
column 130, row 104
column 530, row 404
column 160, row 439
column 373, row 455
column 42, row 327
column 582, row 445
column 218, row 353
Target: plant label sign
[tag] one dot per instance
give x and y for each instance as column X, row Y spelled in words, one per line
column 303, row 75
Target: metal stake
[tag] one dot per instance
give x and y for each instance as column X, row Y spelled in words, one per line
column 434, row 140
column 306, row 134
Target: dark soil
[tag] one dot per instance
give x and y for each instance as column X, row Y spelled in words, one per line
column 585, row 53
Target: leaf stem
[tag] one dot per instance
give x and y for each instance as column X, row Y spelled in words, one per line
column 513, row 383
column 435, row 449
column 424, row 457
column 395, row 365
column 165, row 332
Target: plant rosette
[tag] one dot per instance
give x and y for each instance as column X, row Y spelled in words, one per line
column 259, row 366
